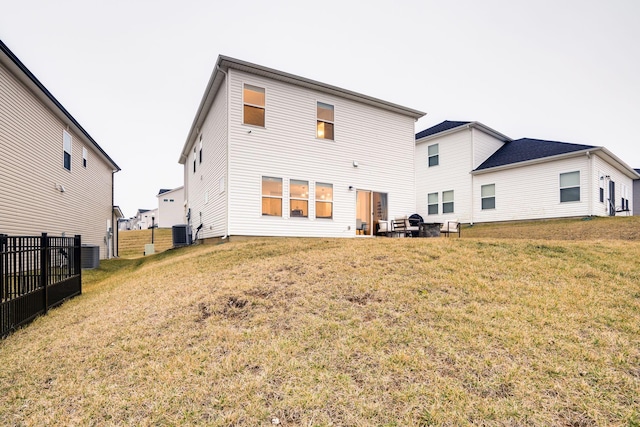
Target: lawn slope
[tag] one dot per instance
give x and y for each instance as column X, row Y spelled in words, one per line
column 358, row 332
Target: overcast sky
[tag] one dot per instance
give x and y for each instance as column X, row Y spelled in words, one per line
column 132, row 72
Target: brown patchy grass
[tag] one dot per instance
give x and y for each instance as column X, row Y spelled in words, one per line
column 131, row 242
column 589, row 228
column 357, row 332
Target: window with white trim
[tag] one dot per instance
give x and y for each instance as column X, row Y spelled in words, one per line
column 271, row 196
column 432, row 204
column 434, row 156
column 324, row 200
column 325, row 123
column 84, row 157
column 601, row 181
column 254, row 106
column 570, row 187
column 298, row 198
column 488, row 195
column 625, row 197
column 200, row 150
column 447, row 201
column 66, row 146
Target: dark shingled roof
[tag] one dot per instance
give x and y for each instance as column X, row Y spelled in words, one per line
column 522, row 150
column 441, row 127
column 163, row 190
column 637, row 170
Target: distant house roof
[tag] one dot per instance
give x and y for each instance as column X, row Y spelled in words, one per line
column 637, row 170
column 449, row 126
column 15, row 65
column 163, row 190
column 440, row 127
column 525, row 149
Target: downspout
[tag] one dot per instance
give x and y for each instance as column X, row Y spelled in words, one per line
column 228, row 177
column 590, row 198
column 473, row 153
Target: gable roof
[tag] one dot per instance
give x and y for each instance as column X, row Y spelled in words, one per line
column 224, row 63
column 449, row 126
column 637, row 171
column 163, row 190
column 526, row 149
column 11, row 61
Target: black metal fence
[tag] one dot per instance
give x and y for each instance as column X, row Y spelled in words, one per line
column 36, row 274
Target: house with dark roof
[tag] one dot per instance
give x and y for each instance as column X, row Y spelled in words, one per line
column 470, row 172
column 56, row 178
column 170, row 207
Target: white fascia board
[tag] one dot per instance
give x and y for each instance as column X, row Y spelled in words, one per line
column 476, row 125
column 628, row 170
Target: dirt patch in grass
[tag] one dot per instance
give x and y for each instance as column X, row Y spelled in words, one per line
column 356, row 332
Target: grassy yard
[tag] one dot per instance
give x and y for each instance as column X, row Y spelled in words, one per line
column 342, row 332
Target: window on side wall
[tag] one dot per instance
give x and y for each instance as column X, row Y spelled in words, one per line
column 271, row 196
column 299, row 198
column 434, row 157
column 432, row 204
column 200, row 150
column 84, row 157
column 601, row 181
column 488, row 194
column 570, row 187
column 194, row 159
column 447, row 201
column 66, row 146
column 254, row 106
column 324, row 127
column 324, row 200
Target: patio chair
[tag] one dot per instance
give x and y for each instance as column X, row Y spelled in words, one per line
column 450, row 226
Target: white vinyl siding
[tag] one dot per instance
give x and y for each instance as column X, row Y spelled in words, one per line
column 37, row 204
column 455, row 160
column 288, row 148
column 211, row 175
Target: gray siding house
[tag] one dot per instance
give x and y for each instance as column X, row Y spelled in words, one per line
column 56, row 178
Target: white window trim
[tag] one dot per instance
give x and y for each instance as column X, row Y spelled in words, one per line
column 429, row 156
column 66, row 135
column 436, row 204
column 316, row 200
column 453, row 205
column 264, row 107
column 326, row 121
column 560, row 187
column 283, row 208
column 85, row 157
column 482, row 198
column 300, row 199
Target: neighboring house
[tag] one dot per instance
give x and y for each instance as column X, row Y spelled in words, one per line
column 125, row 224
column 275, row 154
column 636, row 194
column 56, row 178
column 468, row 171
column 145, row 218
column 170, row 207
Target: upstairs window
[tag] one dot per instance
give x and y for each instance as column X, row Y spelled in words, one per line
column 447, row 201
column 200, row 150
column 84, row 157
column 194, row 159
column 299, row 198
column 254, row 105
column 271, row 196
column 324, row 128
column 570, row 187
column 488, row 194
column 324, row 200
column 66, row 146
column 432, row 204
column 434, row 158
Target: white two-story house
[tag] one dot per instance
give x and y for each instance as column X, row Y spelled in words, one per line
column 470, row 172
column 275, row 154
column 56, row 178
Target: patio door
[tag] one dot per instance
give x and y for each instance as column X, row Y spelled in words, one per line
column 371, row 208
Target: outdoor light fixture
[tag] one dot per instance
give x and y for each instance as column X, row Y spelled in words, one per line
column 351, row 188
column 355, row 164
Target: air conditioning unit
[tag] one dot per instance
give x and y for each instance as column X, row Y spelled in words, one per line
column 181, row 235
column 90, row 256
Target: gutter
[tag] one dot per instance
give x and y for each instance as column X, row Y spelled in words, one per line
column 228, row 177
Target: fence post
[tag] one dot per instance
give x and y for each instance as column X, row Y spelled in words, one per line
column 44, row 269
column 3, row 245
column 77, row 257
